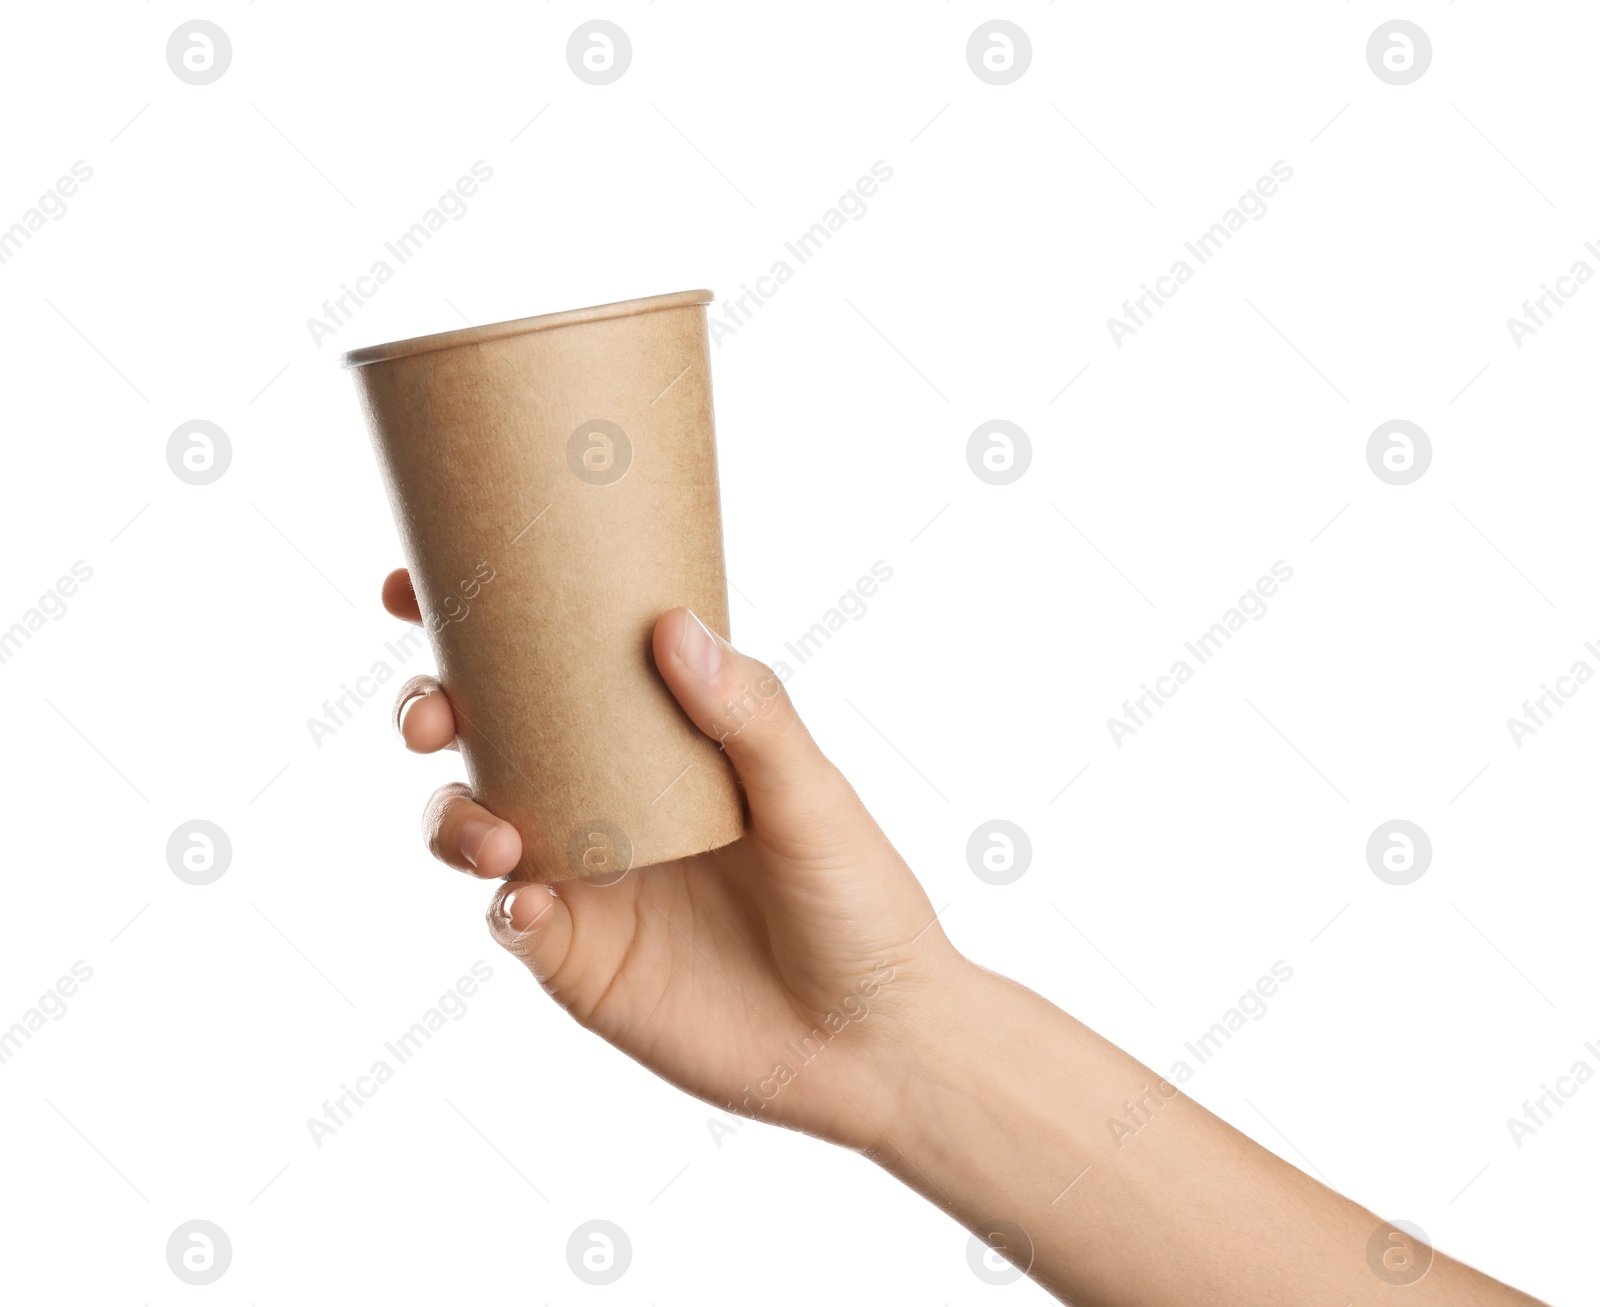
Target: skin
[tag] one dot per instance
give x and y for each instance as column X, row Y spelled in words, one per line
column 714, row 972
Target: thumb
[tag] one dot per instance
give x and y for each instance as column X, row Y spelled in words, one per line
column 795, row 793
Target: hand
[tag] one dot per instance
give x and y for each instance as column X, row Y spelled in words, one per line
column 784, row 977
column 800, row 976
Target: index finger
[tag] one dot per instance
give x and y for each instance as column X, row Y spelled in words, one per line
column 400, row 598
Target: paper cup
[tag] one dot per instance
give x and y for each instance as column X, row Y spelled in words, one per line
column 554, row 480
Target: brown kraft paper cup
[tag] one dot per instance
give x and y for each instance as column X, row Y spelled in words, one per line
column 554, row 481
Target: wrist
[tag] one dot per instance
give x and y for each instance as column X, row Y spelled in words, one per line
column 994, row 1117
column 981, row 1054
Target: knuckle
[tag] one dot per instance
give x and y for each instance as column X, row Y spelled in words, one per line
column 436, row 815
column 495, row 915
column 756, row 701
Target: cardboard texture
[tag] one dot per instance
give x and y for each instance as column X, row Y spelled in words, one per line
column 554, row 481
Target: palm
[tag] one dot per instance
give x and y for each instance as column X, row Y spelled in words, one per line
column 707, row 970
column 772, row 976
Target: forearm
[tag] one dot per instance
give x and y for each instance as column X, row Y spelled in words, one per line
column 1006, row 1116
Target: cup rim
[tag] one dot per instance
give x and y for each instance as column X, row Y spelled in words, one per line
column 520, row 326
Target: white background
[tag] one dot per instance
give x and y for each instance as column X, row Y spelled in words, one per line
column 1227, row 434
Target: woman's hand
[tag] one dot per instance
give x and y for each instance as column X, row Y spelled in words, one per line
column 783, row 977
column 799, row 976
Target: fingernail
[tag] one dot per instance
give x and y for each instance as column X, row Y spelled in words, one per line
column 698, row 649
column 471, row 840
column 525, row 908
column 401, row 708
